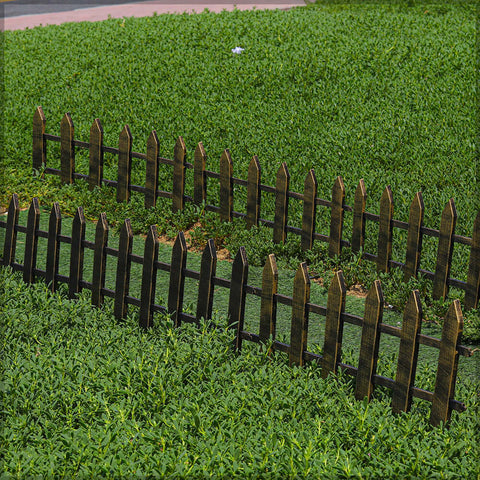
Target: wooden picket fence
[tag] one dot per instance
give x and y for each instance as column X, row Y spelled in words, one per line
column 403, row 386
column 382, row 258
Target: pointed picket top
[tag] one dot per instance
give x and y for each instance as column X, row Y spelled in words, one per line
column 96, row 132
column 126, row 134
column 180, row 245
column 385, row 231
column 180, row 150
column 310, row 188
column 268, row 304
column 10, row 244
column 358, row 235
column 151, row 170
column 283, row 175
column 39, row 152
column 472, row 293
column 199, row 177
column 253, row 193
column 414, row 238
column 39, row 117
column 66, row 123
column 336, row 221
column 226, row 186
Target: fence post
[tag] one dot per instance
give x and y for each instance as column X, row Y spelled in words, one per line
column 151, row 170
column 10, row 244
column 226, row 186
column 336, row 221
column 367, row 363
column 445, row 250
column 281, row 204
column 332, row 347
column 199, row 176
column 447, row 365
column 177, row 279
column 67, row 149
column 299, row 327
column 236, row 302
column 253, row 193
column 53, row 247
column 414, row 239
column 358, row 234
column 385, row 231
column 178, row 188
column 472, row 293
column 149, row 278
column 39, row 151
column 268, row 306
column 31, row 241
column 309, row 210
column 206, row 283
column 99, row 260
column 407, row 354
column 124, row 165
column 95, row 173
column 76, row 254
column 123, row 270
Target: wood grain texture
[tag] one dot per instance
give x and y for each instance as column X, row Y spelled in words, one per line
column 472, row 292
column 226, row 187
column 39, row 150
column 358, row 232
column 178, row 186
column 282, row 187
column 124, row 165
column 445, row 251
column 99, row 260
column 53, row 247
column 407, row 354
column 309, row 210
column 151, row 170
column 268, row 305
column 77, row 253
column 206, row 285
column 332, row 347
column 199, row 176
column 177, row 278
column 414, row 238
column 122, row 282
column 299, row 326
column 10, row 245
column 367, row 363
column 385, row 231
column 253, row 193
column 67, row 149
column 31, row 242
column 336, row 218
column 447, row 365
column 149, row 278
column 95, row 161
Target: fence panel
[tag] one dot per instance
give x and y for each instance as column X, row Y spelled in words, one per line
column 31, row 242
column 53, row 246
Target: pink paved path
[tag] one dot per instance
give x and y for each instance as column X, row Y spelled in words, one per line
column 143, row 9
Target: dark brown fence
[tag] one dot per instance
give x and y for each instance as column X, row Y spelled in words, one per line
column 403, row 386
column 382, row 258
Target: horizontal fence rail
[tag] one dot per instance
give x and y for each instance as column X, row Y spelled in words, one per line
column 416, row 231
column 403, row 386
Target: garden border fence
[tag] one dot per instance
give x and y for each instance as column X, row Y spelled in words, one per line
column 403, row 386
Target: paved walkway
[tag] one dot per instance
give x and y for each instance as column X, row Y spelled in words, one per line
column 143, row 9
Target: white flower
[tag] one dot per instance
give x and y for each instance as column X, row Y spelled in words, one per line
column 237, row 50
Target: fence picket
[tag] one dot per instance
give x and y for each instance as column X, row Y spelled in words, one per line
column 77, row 253
column 124, row 262
column 358, row 234
column 268, row 306
column 407, row 354
column 445, row 250
column 447, row 365
column 367, row 363
column 299, row 326
column 309, row 210
column 332, row 347
column 67, row 149
column 124, row 165
column 10, row 245
column 472, row 293
column 414, row 239
column 336, row 220
column 149, row 278
column 99, row 260
column 95, row 172
column 236, row 301
column 226, row 187
column 253, row 193
column 385, row 231
column 31, row 242
column 199, row 176
column 177, row 279
column 39, row 150
column 151, row 170
column 281, row 204
column 178, row 187
column 206, row 283
column 53, row 246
